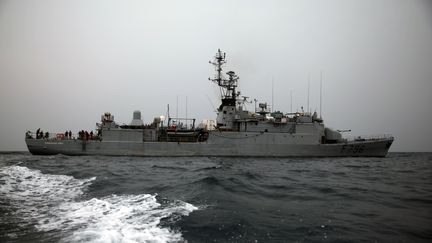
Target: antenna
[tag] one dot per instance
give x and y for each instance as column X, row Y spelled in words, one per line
column 321, row 94
column 214, row 108
column 272, row 106
column 186, row 114
column 308, row 107
column 177, row 108
column 168, row 112
column 291, row 101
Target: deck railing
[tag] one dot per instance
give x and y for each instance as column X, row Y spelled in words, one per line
column 55, row 136
column 368, row 137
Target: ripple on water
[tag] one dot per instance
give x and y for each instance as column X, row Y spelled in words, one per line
column 52, row 203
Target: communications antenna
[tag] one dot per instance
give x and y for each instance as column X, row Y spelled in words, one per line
column 308, row 107
column 272, row 106
column 227, row 85
column 321, row 95
column 291, row 101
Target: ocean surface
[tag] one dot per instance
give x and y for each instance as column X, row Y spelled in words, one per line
column 132, row 199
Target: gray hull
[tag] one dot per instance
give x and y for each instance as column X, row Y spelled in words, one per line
column 367, row 148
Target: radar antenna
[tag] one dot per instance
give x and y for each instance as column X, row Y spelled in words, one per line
column 228, row 86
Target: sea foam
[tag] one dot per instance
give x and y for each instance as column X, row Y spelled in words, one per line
column 52, row 203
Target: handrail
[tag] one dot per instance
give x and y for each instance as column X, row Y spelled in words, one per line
column 51, row 136
column 368, row 137
column 55, row 136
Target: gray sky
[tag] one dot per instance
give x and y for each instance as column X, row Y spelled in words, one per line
column 64, row 63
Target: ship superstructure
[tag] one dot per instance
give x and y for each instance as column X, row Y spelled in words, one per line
column 236, row 132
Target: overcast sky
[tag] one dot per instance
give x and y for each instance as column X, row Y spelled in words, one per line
column 64, row 63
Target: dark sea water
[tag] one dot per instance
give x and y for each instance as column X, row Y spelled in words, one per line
column 133, row 199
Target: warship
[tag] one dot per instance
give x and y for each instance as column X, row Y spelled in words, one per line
column 235, row 132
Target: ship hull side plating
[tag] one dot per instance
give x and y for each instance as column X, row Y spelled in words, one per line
column 368, row 148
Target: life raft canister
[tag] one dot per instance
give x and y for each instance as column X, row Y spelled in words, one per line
column 60, row 136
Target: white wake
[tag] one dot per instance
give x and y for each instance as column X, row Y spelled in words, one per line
column 51, row 202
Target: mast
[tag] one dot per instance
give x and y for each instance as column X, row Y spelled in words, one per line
column 227, row 86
